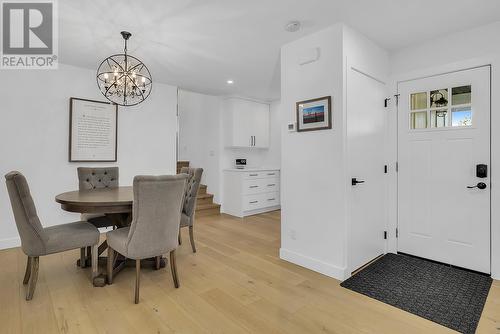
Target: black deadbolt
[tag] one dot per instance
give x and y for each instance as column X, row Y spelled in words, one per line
column 482, row 171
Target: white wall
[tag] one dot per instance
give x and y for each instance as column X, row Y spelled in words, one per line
column 466, row 49
column 34, row 131
column 201, row 142
column 199, row 136
column 312, row 163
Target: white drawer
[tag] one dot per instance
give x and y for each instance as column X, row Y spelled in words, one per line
column 260, row 186
column 259, row 201
column 272, row 199
column 261, row 174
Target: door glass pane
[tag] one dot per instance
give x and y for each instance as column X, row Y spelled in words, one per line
column 439, row 98
column 418, row 101
column 461, row 95
column 461, row 116
column 439, row 118
column 418, row 120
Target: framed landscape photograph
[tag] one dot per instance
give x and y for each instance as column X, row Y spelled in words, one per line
column 315, row 114
column 92, row 131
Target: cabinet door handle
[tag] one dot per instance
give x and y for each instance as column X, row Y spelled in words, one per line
column 253, row 186
column 254, row 174
column 271, row 185
column 271, row 199
column 270, row 173
column 254, row 140
column 253, row 202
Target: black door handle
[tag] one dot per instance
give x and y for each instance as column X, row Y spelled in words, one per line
column 480, row 185
column 355, row 182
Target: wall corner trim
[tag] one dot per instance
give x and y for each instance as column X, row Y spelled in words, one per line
column 10, row 243
column 313, row 264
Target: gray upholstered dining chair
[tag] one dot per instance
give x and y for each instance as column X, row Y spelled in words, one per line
column 189, row 207
column 155, row 224
column 90, row 178
column 37, row 240
column 97, row 178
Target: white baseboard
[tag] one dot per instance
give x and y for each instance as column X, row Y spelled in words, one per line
column 313, row 264
column 10, row 243
column 243, row 214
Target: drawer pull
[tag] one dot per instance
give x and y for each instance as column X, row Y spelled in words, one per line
column 254, row 174
column 253, row 202
column 253, row 187
column 271, row 199
column 271, row 173
column 271, row 185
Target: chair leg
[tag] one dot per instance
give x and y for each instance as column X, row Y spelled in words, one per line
column 157, row 262
column 191, row 238
column 83, row 260
column 95, row 262
column 27, row 273
column 173, row 268
column 33, row 277
column 111, row 255
column 137, row 279
column 180, row 237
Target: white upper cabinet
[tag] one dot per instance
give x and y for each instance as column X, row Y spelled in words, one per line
column 245, row 123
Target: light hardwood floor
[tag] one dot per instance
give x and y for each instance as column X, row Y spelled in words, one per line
column 236, row 283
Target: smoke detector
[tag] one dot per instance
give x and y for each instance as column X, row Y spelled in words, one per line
column 292, row 26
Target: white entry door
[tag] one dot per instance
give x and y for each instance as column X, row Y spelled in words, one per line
column 444, row 137
column 366, row 118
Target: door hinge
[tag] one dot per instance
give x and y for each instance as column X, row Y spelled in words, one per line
column 397, row 166
column 397, row 232
column 385, row 234
column 397, row 99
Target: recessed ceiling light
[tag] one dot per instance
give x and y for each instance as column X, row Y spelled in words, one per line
column 292, row 26
column 230, row 82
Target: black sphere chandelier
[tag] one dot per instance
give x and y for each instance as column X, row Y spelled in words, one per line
column 124, row 79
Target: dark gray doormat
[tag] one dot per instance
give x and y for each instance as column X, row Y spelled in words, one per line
column 450, row 296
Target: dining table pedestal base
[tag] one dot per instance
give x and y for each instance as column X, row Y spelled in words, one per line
column 121, row 263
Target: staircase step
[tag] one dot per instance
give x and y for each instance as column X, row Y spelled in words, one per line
column 181, row 164
column 204, row 210
column 204, row 199
column 202, row 190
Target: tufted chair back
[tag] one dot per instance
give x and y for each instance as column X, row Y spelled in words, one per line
column 156, row 215
column 33, row 237
column 191, row 189
column 97, row 177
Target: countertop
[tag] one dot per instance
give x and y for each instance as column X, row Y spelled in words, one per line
column 251, row 169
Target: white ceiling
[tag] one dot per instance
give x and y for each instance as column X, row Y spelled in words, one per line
column 199, row 44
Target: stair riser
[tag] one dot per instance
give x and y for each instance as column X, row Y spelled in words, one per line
column 207, row 212
column 206, row 200
column 202, row 191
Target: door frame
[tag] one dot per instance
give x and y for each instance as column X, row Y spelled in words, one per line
column 397, row 142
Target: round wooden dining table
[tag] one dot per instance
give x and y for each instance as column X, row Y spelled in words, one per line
column 104, row 200
column 116, row 203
